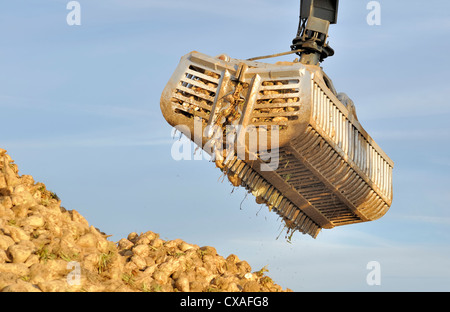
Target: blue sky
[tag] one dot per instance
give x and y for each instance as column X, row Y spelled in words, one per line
column 79, row 110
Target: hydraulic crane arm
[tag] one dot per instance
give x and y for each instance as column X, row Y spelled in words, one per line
column 315, row 19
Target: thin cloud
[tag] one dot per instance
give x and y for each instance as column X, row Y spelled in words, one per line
column 131, row 139
column 106, row 110
column 430, row 220
column 249, row 9
column 412, row 135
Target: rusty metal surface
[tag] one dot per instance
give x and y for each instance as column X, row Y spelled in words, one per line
column 329, row 172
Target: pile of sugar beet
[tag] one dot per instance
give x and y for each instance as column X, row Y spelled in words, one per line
column 46, row 248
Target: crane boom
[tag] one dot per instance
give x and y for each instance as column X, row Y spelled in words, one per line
column 315, row 19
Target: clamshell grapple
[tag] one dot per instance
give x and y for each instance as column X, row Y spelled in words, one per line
column 282, row 132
